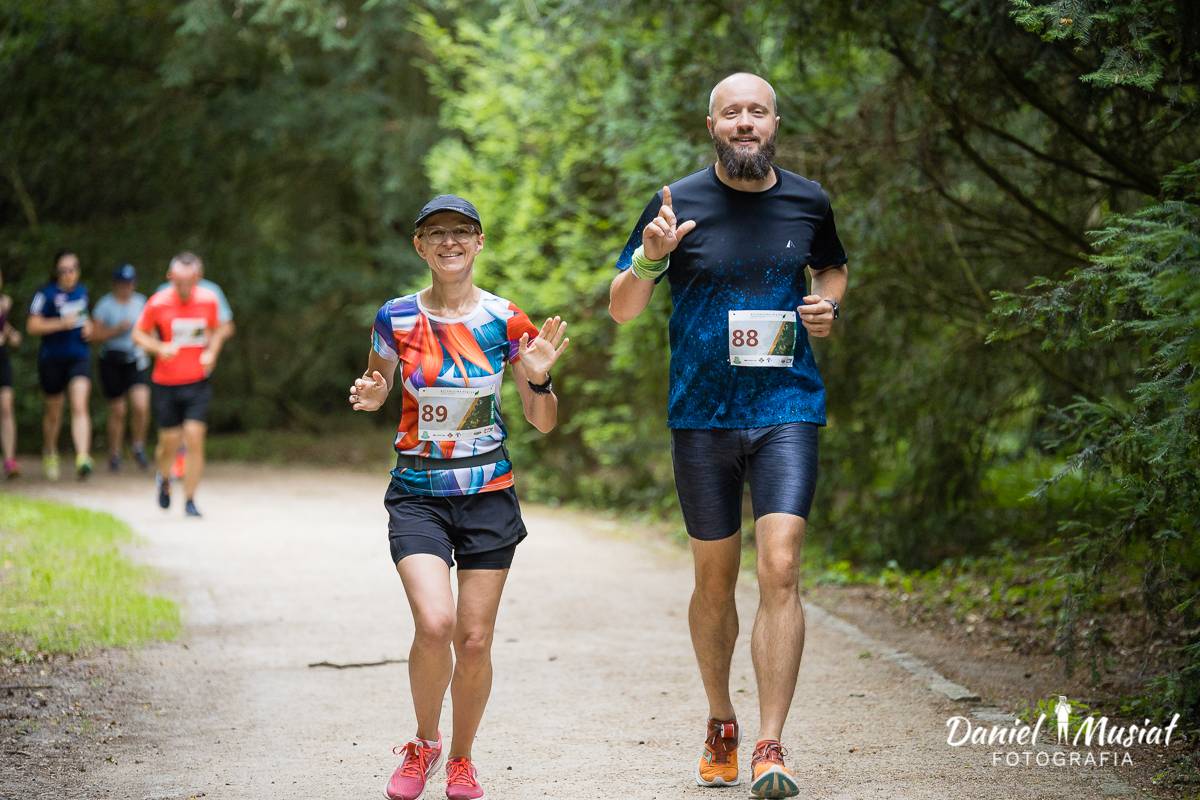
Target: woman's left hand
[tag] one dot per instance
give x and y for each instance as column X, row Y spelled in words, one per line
column 539, row 354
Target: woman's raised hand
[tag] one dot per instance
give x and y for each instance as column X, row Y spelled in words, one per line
column 539, row 354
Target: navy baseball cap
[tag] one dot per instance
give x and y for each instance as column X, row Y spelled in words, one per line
column 125, row 272
column 448, row 202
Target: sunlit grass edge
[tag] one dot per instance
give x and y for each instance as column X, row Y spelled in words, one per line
column 66, row 586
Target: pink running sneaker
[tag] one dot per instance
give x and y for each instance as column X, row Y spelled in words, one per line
column 420, row 760
column 462, row 780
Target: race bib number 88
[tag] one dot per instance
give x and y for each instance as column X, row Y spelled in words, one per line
column 455, row 414
column 762, row 338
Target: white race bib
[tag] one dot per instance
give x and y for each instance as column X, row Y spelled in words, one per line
column 189, row 332
column 77, row 307
column 455, row 414
column 762, row 338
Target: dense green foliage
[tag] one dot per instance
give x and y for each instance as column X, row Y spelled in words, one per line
column 1014, row 181
column 280, row 140
column 65, row 586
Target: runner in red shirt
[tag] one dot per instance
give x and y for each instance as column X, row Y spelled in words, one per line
column 177, row 328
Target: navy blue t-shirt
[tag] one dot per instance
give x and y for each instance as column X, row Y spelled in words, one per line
column 748, row 251
column 52, row 302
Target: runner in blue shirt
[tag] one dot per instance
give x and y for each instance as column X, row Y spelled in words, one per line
column 124, row 367
column 59, row 314
column 735, row 241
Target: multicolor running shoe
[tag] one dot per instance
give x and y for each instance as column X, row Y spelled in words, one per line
column 770, row 778
column 83, row 466
column 421, row 758
column 719, row 762
column 462, row 780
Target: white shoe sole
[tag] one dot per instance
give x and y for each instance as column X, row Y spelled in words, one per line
column 719, row 782
column 774, row 783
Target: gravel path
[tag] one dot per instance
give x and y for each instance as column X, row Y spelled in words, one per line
column 596, row 692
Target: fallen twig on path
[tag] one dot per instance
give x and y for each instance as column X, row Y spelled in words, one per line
column 354, row 665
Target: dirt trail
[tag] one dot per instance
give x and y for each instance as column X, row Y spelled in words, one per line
column 596, row 692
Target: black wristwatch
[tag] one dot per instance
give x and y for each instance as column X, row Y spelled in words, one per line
column 836, row 306
column 542, row 388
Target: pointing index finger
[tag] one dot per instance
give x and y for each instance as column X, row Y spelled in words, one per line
column 667, row 196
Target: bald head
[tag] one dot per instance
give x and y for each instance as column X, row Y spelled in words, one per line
column 741, row 85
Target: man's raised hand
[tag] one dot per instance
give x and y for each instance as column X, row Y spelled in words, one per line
column 368, row 393
column 662, row 235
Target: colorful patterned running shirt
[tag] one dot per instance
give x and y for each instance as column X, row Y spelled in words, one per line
column 189, row 323
column 463, row 353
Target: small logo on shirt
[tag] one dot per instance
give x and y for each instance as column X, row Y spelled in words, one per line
column 789, row 244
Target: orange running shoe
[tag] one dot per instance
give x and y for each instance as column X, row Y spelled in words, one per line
column 718, row 763
column 769, row 777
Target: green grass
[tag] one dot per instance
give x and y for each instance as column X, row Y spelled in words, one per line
column 65, row 586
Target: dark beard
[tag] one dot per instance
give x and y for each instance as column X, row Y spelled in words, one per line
column 740, row 167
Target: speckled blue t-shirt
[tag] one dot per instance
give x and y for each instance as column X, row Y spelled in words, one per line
column 748, row 251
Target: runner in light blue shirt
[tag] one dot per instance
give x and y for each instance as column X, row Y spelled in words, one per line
column 124, row 367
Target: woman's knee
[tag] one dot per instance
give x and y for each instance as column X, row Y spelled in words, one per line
column 435, row 627
column 473, row 645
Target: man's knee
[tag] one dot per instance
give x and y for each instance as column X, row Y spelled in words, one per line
column 778, row 572
column 169, row 440
column 717, row 565
column 193, row 434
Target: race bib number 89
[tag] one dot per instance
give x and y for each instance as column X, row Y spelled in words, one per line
column 762, row 338
column 455, row 414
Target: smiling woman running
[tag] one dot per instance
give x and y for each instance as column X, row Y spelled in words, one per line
column 451, row 496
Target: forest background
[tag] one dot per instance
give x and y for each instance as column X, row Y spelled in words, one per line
column 1013, row 393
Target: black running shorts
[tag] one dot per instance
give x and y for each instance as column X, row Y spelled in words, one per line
column 711, row 467
column 118, row 376
column 174, row 404
column 54, row 374
column 480, row 530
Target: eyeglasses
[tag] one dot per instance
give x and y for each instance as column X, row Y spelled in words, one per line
column 461, row 233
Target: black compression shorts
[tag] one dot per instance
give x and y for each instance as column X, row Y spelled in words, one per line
column 711, row 467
